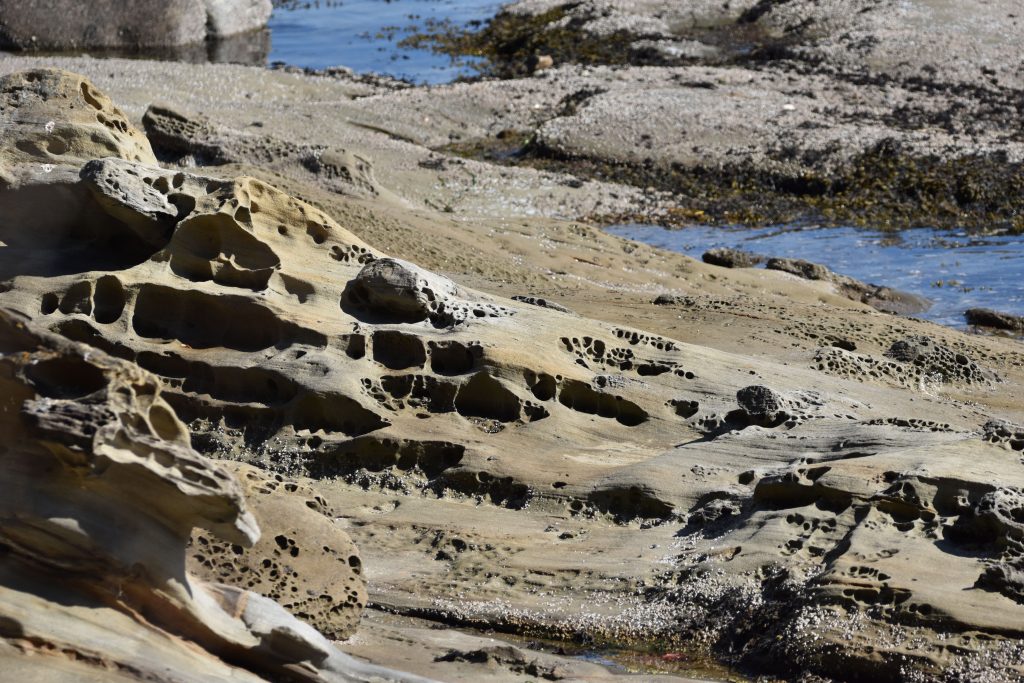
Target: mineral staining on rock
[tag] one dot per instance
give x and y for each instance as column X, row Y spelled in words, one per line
column 504, row 463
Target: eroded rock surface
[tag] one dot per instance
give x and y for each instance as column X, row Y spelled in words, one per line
column 105, row 492
column 503, row 464
column 190, row 138
column 304, row 560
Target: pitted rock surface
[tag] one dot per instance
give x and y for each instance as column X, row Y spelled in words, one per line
column 500, row 463
column 58, row 118
column 761, row 404
column 107, row 491
column 935, row 359
column 304, row 561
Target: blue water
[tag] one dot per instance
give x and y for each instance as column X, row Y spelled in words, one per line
column 955, row 270
column 363, row 35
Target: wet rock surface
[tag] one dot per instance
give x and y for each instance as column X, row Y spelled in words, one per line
column 732, row 258
column 877, row 296
column 505, row 465
column 985, row 317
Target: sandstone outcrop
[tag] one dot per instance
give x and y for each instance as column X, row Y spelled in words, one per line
column 304, row 560
column 514, row 466
column 105, row 490
column 877, row 296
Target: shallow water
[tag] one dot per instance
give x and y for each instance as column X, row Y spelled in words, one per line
column 955, row 270
column 364, row 35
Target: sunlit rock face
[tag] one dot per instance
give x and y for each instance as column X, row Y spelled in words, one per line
column 498, row 461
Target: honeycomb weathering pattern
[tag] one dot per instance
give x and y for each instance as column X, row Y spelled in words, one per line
column 785, row 495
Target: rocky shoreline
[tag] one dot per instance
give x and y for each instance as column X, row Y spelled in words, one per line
column 770, row 112
column 522, row 423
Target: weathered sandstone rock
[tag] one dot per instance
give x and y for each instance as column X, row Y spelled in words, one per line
column 184, row 137
column 304, row 560
column 53, row 122
column 515, row 467
column 105, row 490
column 57, row 120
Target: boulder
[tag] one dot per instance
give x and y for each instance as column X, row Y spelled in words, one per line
column 986, row 317
column 731, row 258
column 231, row 17
column 70, row 24
column 398, row 289
column 762, row 405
